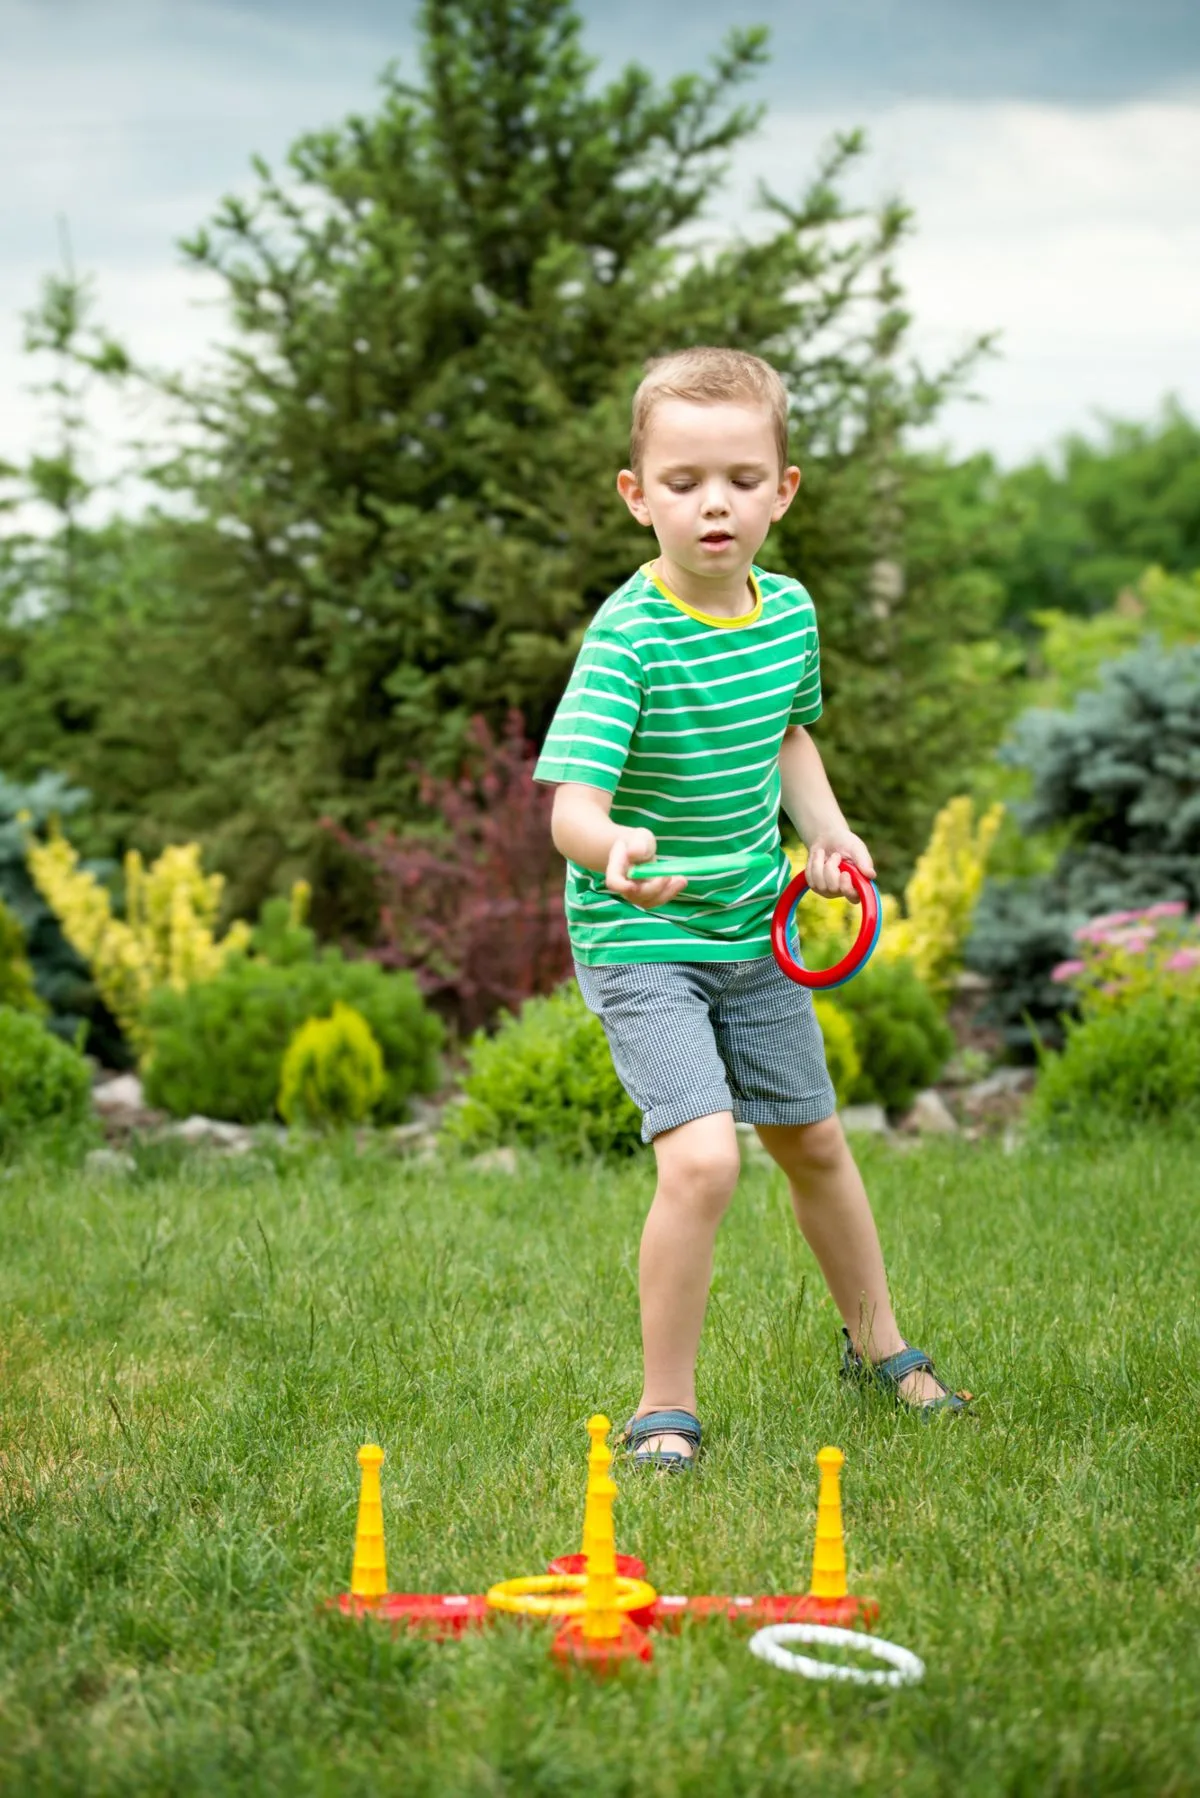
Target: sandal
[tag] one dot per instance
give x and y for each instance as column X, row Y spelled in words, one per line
column 662, row 1423
column 889, row 1372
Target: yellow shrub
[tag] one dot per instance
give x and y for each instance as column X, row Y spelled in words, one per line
column 938, row 901
column 167, row 937
column 940, row 898
column 333, row 1071
column 841, row 1052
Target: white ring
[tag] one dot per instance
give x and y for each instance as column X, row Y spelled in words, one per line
column 767, row 1645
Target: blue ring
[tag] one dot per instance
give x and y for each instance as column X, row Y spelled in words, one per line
column 794, row 941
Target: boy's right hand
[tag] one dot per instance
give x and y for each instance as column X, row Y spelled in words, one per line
column 639, row 846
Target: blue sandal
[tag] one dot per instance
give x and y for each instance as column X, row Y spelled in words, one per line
column 662, row 1423
column 889, row 1372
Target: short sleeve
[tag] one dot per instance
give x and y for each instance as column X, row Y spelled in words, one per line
column 588, row 739
column 806, row 706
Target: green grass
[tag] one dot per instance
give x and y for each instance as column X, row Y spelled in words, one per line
column 189, row 1361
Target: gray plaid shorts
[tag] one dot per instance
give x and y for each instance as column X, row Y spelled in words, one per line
column 692, row 1038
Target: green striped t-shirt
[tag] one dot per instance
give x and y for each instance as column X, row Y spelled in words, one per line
column 680, row 716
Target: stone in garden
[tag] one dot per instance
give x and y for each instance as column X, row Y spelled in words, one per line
column 120, row 1099
column 930, row 1116
column 865, row 1120
column 749, row 1143
column 221, row 1135
column 999, row 1092
column 495, row 1161
column 413, row 1139
column 110, row 1161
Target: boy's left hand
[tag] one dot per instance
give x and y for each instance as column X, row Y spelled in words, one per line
column 822, row 868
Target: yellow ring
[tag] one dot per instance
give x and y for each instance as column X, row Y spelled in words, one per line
column 546, row 1594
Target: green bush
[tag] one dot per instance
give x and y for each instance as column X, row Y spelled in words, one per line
column 899, row 1032
column 841, row 1050
column 1139, row 1064
column 545, row 1078
column 218, row 1048
column 332, row 1072
column 16, row 976
column 43, row 1081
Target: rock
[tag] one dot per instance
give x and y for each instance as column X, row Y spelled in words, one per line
column 495, row 1161
column 110, row 1161
column 1001, row 1096
column 120, row 1097
column 930, row 1116
column 749, row 1143
column 238, row 1138
column 866, row 1120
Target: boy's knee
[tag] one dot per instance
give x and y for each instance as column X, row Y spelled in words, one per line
column 697, row 1169
column 818, row 1147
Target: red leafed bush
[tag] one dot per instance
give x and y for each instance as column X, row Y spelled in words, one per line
column 477, row 912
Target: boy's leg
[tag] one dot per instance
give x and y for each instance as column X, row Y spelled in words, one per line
column 698, row 1167
column 834, row 1214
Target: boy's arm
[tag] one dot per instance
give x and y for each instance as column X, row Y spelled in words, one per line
column 584, row 833
column 809, row 802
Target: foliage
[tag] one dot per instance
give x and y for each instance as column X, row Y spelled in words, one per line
column 1023, row 929
column 217, row 1047
column 43, row 1081
column 281, row 935
column 167, row 936
column 332, row 1072
column 477, row 911
column 901, row 1038
column 1085, row 530
column 398, row 481
column 841, row 1051
column 1121, row 957
column 60, row 976
column 1132, row 1064
column 1119, row 775
column 939, row 901
column 1074, row 651
column 545, row 1078
column 17, row 990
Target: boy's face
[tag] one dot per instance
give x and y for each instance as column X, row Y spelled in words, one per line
column 710, row 485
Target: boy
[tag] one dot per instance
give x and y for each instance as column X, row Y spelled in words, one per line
column 683, row 728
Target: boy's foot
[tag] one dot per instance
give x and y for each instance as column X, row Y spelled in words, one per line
column 909, row 1376
column 668, row 1439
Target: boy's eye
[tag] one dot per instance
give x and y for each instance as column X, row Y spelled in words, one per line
column 750, row 480
column 681, row 486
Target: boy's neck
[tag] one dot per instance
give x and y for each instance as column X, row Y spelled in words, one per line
column 726, row 595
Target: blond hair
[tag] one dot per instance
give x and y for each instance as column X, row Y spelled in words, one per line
column 706, row 375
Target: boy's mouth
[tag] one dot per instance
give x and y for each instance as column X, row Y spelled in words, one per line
column 717, row 539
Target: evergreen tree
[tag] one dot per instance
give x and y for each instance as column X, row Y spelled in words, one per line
column 401, row 479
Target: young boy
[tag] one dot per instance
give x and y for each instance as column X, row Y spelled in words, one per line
column 682, row 730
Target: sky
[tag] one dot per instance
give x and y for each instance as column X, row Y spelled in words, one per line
column 1049, row 152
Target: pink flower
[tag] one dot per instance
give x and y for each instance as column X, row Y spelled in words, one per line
column 1114, row 919
column 1067, row 970
column 1182, row 961
column 1170, row 908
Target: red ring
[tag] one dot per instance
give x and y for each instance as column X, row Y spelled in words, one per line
column 868, row 897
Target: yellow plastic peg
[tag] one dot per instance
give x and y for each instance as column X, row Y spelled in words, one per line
column 829, row 1554
column 368, row 1577
column 599, row 1462
column 601, row 1618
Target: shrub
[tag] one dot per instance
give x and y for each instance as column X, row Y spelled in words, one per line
column 899, row 1032
column 16, row 976
column 167, row 936
column 332, row 1071
column 545, row 1078
column 43, row 1081
column 841, row 1051
column 1119, row 774
column 1121, row 957
column 476, row 912
column 1137, row 1064
column 60, row 976
column 218, row 1047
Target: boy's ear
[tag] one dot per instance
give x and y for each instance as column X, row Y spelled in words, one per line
column 786, row 493
column 630, row 489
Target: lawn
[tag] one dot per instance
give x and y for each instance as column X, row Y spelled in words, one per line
column 190, row 1358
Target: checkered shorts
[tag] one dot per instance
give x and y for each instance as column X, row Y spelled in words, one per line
column 692, row 1038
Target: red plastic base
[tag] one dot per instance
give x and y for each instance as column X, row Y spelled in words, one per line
column 628, row 1566
column 571, row 1645
column 436, row 1613
column 779, row 1607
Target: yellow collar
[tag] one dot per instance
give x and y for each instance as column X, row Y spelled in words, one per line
column 720, row 624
